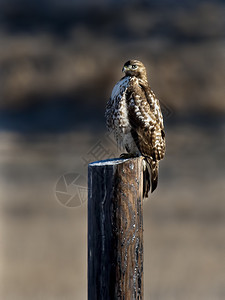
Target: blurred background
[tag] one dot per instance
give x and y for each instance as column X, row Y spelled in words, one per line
column 59, row 61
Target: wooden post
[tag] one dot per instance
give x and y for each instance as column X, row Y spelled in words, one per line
column 115, row 229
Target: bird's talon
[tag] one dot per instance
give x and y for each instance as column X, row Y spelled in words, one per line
column 127, row 155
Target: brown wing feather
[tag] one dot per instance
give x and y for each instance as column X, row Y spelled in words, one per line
column 146, row 121
column 147, row 129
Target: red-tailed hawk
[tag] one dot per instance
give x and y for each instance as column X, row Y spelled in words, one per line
column 133, row 114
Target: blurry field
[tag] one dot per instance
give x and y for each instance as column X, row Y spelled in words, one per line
column 58, row 64
column 182, row 47
column 44, row 243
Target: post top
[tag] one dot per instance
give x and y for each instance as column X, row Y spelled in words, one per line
column 110, row 162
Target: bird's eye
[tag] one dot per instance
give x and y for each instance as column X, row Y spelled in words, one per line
column 134, row 67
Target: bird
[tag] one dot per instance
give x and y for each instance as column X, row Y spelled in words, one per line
column 134, row 116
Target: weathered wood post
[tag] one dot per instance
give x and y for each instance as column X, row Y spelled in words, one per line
column 115, row 229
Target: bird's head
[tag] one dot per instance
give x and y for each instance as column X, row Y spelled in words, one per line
column 135, row 68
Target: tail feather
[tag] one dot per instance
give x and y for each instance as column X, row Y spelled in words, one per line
column 154, row 166
column 150, row 173
column 146, row 180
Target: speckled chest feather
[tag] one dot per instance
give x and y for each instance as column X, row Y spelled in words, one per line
column 117, row 115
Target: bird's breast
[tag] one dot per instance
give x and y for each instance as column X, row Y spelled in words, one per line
column 120, row 112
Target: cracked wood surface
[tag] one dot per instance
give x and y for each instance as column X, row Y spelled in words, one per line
column 115, row 229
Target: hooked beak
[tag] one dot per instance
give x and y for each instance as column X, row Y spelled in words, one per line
column 125, row 68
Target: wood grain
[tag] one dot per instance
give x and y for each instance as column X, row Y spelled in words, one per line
column 115, row 230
